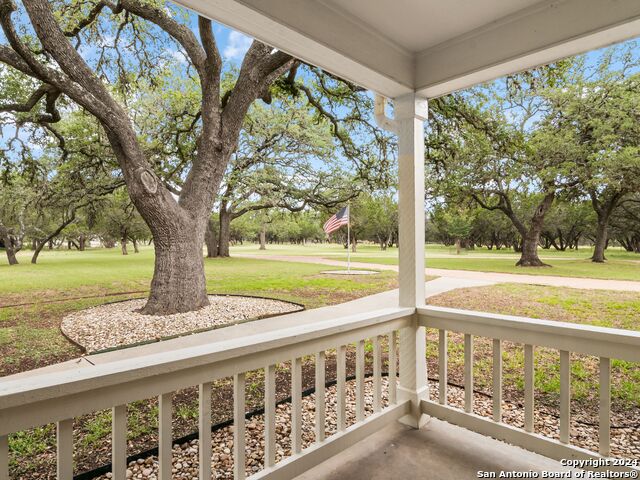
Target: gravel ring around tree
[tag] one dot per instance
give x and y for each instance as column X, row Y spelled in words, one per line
column 120, row 324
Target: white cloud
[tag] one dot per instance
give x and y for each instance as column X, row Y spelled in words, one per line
column 237, row 45
column 177, row 55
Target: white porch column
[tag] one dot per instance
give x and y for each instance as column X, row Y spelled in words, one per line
column 410, row 115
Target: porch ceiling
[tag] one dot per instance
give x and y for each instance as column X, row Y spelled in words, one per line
column 429, row 46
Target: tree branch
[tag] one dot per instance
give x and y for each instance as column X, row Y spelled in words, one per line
column 54, row 42
column 180, row 33
column 22, row 59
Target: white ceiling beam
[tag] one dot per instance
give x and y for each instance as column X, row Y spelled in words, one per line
column 311, row 31
column 536, row 36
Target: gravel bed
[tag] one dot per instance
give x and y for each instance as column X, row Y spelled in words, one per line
column 185, row 456
column 120, row 324
column 625, row 442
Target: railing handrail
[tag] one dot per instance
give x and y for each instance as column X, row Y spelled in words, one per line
column 37, row 388
column 567, row 338
column 586, row 339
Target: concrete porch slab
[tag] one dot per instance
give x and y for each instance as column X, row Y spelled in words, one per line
column 438, row 451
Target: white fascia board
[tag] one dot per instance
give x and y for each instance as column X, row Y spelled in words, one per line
column 314, row 33
column 542, row 34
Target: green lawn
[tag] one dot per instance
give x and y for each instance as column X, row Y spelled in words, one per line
column 34, row 298
column 621, row 265
column 614, row 269
column 64, row 281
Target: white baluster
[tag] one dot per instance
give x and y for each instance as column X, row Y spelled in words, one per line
column 64, row 436
column 165, row 437
column 377, row 374
column 4, row 457
column 204, row 429
column 468, row 373
column 296, row 405
column 497, row 380
column 239, row 426
column 341, row 412
column 528, row 387
column 442, row 366
column 320, row 396
column 565, row 396
column 270, row 416
column 119, row 442
column 605, row 407
column 393, row 367
column 360, row 381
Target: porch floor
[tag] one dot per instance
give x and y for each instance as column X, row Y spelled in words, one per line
column 437, row 451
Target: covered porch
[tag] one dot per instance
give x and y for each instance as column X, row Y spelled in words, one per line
column 405, row 52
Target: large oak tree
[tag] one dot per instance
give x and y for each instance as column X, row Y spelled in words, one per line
column 489, row 145
column 598, row 108
column 286, row 160
column 177, row 223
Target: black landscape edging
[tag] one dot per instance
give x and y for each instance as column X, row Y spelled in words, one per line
column 89, row 475
column 86, row 297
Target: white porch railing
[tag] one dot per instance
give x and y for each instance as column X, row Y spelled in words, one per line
column 605, row 343
column 60, row 397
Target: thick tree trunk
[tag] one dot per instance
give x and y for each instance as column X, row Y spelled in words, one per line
column 11, row 256
column 458, row 246
column 36, row 252
column 135, row 246
column 529, row 256
column 123, row 244
column 178, row 283
column 604, row 209
column 82, row 243
column 40, row 245
column 601, row 241
column 224, row 236
column 11, row 246
column 211, row 240
column 263, row 237
column 531, row 236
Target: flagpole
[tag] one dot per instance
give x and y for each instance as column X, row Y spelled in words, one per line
column 349, row 237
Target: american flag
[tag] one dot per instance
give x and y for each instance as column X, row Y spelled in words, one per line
column 339, row 219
